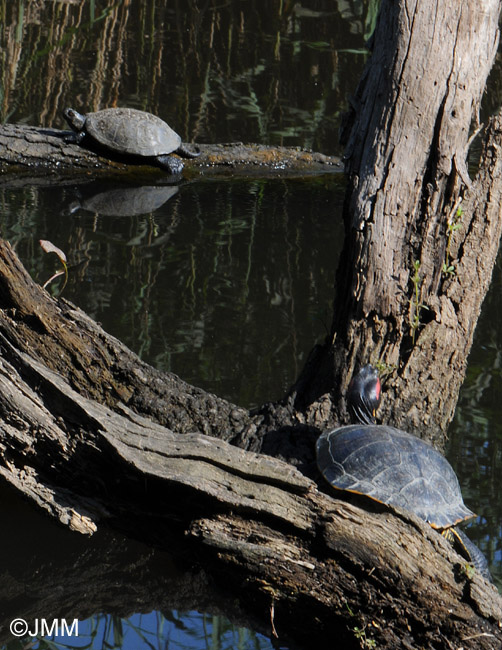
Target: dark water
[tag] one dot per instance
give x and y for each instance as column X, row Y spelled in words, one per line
column 476, row 433
column 227, row 283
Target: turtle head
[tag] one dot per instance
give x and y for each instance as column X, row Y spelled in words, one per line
column 364, row 395
column 74, row 119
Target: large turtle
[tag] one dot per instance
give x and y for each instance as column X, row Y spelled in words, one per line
column 394, row 467
column 130, row 132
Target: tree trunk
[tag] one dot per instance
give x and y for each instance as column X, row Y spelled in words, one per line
column 412, row 275
column 92, row 434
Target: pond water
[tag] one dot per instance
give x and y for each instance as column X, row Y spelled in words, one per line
column 228, row 283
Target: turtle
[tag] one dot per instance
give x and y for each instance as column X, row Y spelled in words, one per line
column 130, row 132
column 394, row 467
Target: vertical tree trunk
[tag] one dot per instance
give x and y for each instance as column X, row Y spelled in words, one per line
column 412, row 279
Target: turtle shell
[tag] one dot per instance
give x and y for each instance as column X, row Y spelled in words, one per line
column 395, row 468
column 129, row 131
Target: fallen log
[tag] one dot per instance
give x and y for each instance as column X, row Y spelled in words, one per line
column 95, row 438
column 28, row 148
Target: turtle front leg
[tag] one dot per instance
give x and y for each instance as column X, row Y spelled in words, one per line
column 74, row 137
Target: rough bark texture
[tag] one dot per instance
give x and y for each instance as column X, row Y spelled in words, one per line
column 27, row 148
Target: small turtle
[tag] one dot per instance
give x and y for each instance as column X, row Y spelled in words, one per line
column 130, row 132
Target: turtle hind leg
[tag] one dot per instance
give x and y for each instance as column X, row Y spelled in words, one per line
column 170, row 163
column 466, row 548
column 186, row 153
